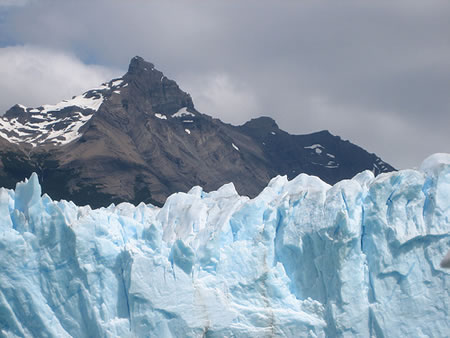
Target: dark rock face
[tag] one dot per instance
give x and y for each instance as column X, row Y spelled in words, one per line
column 146, row 141
column 149, row 85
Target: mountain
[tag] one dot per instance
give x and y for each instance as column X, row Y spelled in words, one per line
column 140, row 138
column 302, row 259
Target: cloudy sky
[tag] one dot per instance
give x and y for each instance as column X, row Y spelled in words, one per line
column 376, row 73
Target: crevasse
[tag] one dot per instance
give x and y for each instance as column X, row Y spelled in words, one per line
column 357, row 259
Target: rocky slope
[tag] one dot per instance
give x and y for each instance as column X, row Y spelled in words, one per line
column 140, row 138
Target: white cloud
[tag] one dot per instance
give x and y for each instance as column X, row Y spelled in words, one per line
column 34, row 76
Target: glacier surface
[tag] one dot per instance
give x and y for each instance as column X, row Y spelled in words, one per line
column 303, row 259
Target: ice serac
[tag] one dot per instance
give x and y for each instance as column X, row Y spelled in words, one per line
column 303, row 259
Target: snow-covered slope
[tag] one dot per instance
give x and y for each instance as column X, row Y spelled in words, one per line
column 56, row 124
column 303, row 259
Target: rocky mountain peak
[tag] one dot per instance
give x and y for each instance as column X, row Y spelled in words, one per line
column 15, row 111
column 263, row 122
column 139, row 65
column 151, row 85
column 139, row 138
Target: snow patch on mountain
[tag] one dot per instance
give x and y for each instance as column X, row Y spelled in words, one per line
column 182, row 113
column 302, row 259
column 161, row 116
column 82, row 101
column 56, row 124
column 316, row 147
column 116, row 83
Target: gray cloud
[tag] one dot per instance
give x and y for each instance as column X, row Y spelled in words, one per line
column 376, row 73
column 7, row 3
column 220, row 95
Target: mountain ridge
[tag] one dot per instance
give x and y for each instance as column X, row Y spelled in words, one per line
column 140, row 138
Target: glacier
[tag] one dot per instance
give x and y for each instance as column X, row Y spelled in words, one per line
column 303, row 259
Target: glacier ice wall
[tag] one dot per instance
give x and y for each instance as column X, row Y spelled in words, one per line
column 303, row 259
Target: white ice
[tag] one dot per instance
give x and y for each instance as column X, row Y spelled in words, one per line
column 303, row 259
